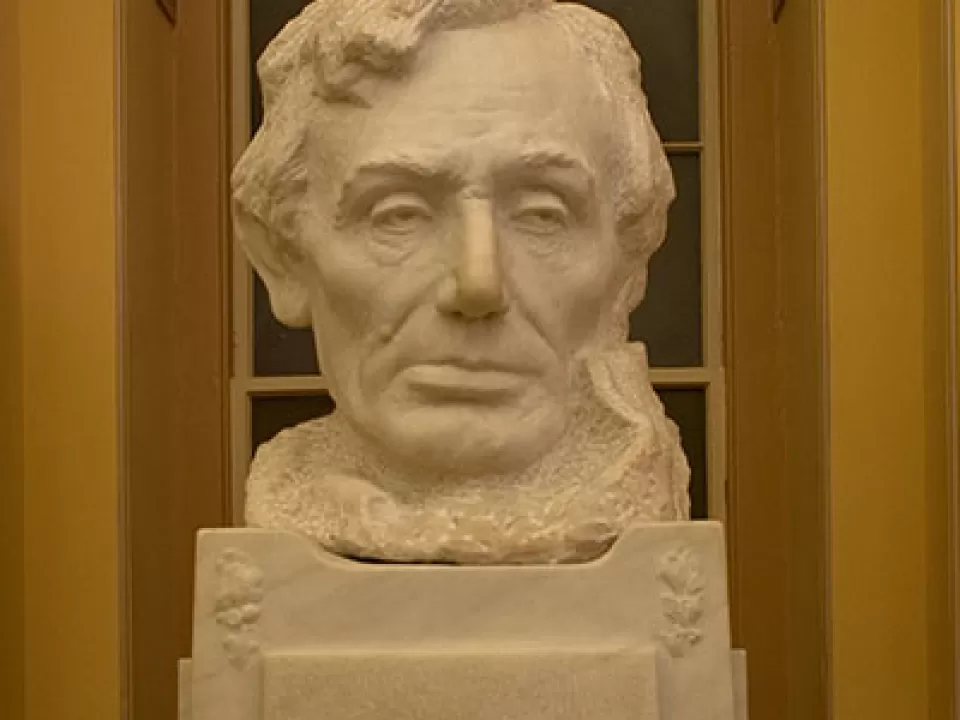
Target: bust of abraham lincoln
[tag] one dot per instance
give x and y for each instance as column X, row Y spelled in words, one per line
column 461, row 198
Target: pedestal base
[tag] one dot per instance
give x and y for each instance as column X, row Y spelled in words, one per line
column 285, row 631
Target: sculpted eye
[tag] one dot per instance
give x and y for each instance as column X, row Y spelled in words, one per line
column 541, row 213
column 401, row 214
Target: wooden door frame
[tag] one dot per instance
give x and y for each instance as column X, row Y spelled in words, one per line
column 172, row 82
column 776, row 349
column 952, row 73
column 189, row 457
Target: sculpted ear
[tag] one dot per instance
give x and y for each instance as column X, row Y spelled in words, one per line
column 643, row 234
column 634, row 289
column 277, row 268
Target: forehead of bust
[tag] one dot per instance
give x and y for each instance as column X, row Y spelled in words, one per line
column 515, row 86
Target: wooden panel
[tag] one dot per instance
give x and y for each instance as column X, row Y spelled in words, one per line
column 175, row 332
column 756, row 501
column 778, row 7
column 154, row 586
column 954, row 292
column 202, row 227
column 11, row 367
column 938, row 241
column 774, row 356
column 802, row 328
column 169, row 8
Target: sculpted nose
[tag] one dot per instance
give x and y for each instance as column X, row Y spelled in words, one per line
column 475, row 288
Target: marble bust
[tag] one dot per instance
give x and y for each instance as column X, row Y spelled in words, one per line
column 461, row 197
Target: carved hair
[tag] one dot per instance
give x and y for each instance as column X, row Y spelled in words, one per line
column 321, row 57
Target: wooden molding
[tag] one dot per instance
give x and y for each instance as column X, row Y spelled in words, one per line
column 176, row 334
column 778, row 6
column 774, row 340
column 169, row 8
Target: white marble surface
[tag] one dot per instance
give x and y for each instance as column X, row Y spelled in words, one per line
column 285, row 631
column 185, row 685
column 466, row 684
column 740, row 685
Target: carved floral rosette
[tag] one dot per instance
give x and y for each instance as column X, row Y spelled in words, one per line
column 238, row 605
column 683, row 601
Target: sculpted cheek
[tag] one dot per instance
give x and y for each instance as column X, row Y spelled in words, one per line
column 340, row 305
column 365, row 298
column 589, row 298
column 568, row 299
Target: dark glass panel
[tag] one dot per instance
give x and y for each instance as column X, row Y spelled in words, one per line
column 688, row 409
column 267, row 18
column 667, row 35
column 277, row 349
column 669, row 319
column 270, row 415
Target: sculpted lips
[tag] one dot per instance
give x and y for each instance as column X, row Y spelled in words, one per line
column 466, row 379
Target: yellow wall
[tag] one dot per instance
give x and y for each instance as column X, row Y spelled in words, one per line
column 11, row 369
column 886, row 435
column 69, row 314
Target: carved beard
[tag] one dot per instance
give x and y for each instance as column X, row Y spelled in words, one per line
column 619, row 462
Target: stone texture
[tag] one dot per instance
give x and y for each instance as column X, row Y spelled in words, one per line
column 612, row 684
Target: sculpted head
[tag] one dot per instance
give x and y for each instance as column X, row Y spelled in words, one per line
column 460, row 197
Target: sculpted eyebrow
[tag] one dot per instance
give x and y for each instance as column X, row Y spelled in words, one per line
column 571, row 172
column 372, row 174
column 546, row 159
column 394, row 166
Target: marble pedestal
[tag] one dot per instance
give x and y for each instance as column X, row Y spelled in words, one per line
column 285, row 631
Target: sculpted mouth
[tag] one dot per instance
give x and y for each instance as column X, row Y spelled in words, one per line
column 466, row 380
column 477, row 365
